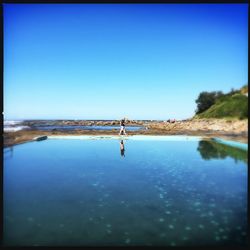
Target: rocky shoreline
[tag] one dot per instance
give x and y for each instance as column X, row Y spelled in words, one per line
column 212, row 125
column 236, row 130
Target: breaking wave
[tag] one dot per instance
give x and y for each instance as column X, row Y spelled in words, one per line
column 11, row 123
column 14, row 129
column 13, row 126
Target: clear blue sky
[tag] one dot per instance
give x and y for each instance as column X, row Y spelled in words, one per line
column 107, row 61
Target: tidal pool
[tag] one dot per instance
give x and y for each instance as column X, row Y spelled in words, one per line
column 78, row 127
column 71, row 192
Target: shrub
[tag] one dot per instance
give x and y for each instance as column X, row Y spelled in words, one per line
column 206, row 99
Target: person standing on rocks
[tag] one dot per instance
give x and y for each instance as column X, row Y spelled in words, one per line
column 122, row 130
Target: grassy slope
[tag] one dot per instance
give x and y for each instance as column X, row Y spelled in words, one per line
column 228, row 106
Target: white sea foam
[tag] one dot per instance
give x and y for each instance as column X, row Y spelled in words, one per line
column 11, row 123
column 14, row 129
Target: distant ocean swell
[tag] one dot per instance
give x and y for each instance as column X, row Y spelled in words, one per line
column 13, row 126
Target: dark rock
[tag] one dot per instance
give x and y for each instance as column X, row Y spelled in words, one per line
column 41, row 138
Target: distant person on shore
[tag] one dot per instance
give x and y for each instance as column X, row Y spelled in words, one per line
column 122, row 130
column 171, row 121
column 122, row 148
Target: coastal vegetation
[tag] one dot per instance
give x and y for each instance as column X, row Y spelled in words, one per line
column 218, row 105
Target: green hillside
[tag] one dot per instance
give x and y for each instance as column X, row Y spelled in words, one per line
column 232, row 105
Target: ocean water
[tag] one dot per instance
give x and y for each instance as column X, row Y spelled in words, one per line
column 142, row 193
column 13, row 126
column 75, row 127
column 11, row 122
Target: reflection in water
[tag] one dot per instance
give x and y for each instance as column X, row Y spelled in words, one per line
column 122, row 148
column 213, row 150
column 60, row 192
column 8, row 152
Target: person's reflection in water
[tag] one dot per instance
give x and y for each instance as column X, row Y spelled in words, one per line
column 122, row 148
column 11, row 151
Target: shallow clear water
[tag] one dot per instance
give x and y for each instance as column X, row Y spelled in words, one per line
column 89, row 192
column 75, row 127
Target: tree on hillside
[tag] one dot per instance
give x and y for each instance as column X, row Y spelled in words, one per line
column 206, row 99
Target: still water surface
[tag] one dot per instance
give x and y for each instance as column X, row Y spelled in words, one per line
column 95, row 192
column 78, row 127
